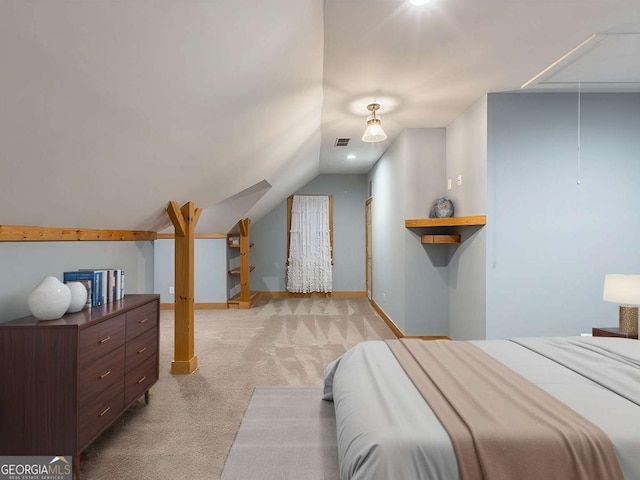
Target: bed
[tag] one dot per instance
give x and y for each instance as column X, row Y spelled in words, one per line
column 386, row 429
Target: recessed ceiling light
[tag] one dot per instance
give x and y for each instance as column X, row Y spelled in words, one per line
column 351, row 156
column 419, row 2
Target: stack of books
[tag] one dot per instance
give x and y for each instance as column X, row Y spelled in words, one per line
column 103, row 285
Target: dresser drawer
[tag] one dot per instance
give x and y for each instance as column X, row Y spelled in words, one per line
column 100, row 339
column 52, row 398
column 141, row 319
column 96, row 415
column 141, row 348
column 138, row 380
column 103, row 373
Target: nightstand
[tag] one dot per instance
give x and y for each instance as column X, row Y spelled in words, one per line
column 611, row 332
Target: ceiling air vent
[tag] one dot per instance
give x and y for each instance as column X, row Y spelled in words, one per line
column 342, row 141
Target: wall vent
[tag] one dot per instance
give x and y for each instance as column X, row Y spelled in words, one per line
column 342, row 141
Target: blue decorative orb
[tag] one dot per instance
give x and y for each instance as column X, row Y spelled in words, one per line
column 443, row 208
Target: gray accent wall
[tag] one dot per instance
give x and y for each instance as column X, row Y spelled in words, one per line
column 269, row 252
column 163, row 278
column 269, row 235
column 410, row 278
column 550, row 240
column 388, row 232
column 467, row 156
column 25, row 264
column 210, row 270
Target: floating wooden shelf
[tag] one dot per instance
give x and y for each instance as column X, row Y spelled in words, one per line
column 236, row 297
column 440, row 238
column 238, row 246
column 235, row 302
column 236, row 271
column 476, row 220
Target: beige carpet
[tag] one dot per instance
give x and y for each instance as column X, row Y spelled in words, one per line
column 188, row 428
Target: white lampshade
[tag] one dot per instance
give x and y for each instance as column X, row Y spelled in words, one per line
column 374, row 132
column 622, row 289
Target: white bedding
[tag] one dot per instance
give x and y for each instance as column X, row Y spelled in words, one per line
column 386, row 430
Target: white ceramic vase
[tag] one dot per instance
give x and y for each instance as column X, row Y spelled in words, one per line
column 78, row 296
column 50, row 299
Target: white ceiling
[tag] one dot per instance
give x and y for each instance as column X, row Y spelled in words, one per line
column 109, row 109
column 426, row 65
column 603, row 62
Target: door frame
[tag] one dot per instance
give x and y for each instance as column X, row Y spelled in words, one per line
column 368, row 247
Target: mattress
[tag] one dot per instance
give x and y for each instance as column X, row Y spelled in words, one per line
column 386, row 430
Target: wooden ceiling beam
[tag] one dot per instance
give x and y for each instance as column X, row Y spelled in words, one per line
column 22, row 233
column 197, row 216
column 243, row 225
column 171, row 236
column 176, row 218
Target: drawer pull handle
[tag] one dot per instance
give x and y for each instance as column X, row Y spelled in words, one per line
column 143, row 320
column 104, row 412
column 108, row 372
column 142, row 379
column 142, row 350
column 104, row 340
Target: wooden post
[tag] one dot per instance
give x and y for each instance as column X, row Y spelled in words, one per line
column 245, row 293
column 184, row 221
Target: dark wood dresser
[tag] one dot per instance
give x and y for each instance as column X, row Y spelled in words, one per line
column 611, row 332
column 63, row 382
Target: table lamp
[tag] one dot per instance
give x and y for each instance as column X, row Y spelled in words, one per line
column 625, row 291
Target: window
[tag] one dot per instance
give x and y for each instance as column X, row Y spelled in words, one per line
column 309, row 243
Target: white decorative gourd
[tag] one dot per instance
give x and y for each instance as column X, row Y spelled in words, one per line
column 50, row 299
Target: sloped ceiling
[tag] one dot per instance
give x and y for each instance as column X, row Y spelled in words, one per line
column 224, row 215
column 109, row 109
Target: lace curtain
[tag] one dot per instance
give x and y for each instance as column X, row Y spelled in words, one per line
column 310, row 268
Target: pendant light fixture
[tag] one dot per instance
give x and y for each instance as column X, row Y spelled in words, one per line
column 374, row 132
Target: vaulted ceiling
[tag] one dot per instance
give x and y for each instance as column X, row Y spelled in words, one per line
column 109, row 109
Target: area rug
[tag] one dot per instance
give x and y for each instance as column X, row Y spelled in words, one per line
column 287, row 433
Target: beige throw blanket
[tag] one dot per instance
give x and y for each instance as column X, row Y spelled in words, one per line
column 503, row 427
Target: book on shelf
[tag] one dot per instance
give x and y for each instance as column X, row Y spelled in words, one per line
column 97, row 297
column 111, row 285
column 108, row 285
column 100, row 286
column 85, row 278
column 119, row 288
column 117, row 280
